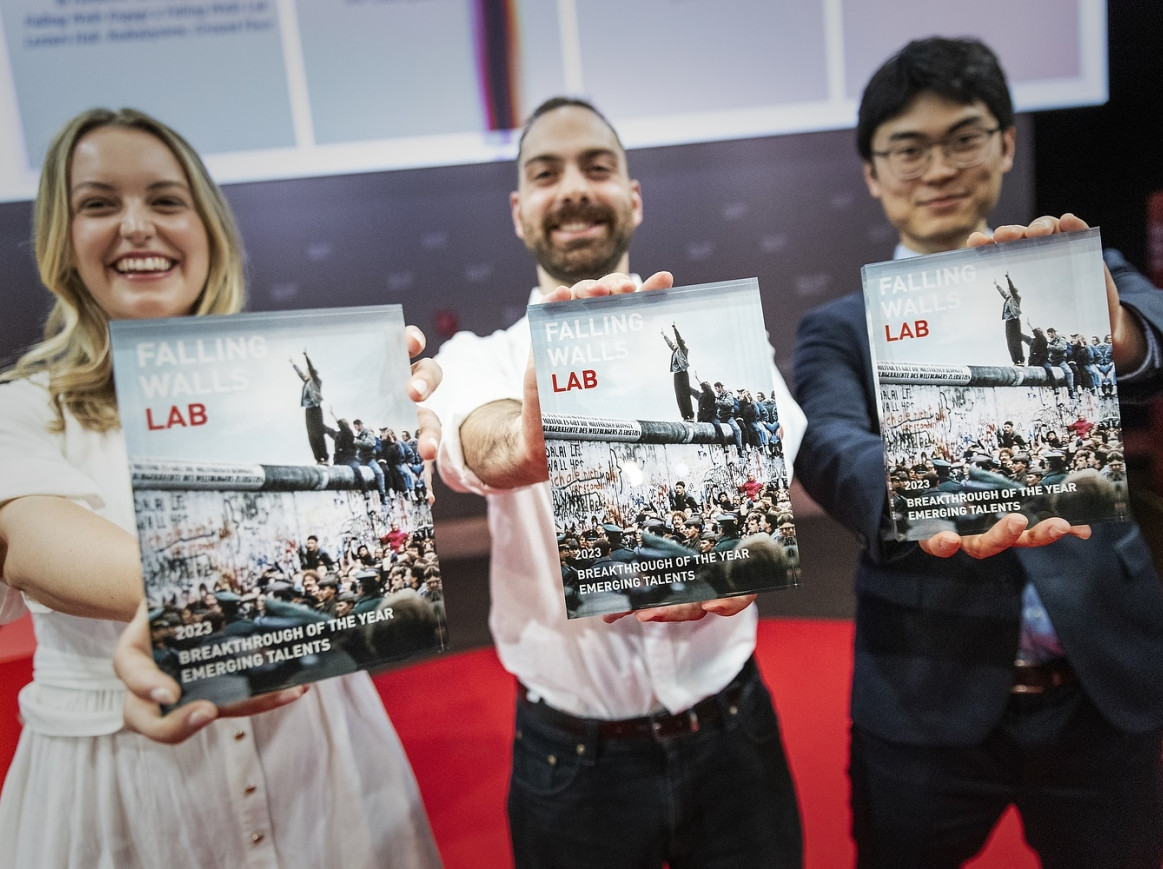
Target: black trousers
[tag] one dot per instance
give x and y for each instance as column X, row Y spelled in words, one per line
column 313, row 416
column 718, row 798
column 1014, row 340
column 1089, row 795
column 682, row 394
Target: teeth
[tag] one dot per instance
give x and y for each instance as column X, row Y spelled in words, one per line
column 574, row 227
column 144, row 264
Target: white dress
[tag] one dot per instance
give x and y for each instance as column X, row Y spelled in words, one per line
column 322, row 782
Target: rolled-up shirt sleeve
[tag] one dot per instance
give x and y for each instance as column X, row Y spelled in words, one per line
column 477, row 371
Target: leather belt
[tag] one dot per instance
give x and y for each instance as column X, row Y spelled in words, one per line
column 1040, row 678
column 713, row 711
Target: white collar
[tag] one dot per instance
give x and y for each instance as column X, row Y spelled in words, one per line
column 902, row 252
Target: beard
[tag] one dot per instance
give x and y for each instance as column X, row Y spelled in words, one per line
column 586, row 259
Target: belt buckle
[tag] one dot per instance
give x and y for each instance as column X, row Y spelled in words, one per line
column 656, row 725
column 1049, row 677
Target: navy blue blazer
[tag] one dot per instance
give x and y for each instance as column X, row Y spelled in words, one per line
column 936, row 638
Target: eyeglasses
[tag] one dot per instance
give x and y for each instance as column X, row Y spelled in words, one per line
column 962, row 150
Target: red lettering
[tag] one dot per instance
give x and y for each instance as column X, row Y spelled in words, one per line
column 588, row 380
column 195, row 415
column 919, row 329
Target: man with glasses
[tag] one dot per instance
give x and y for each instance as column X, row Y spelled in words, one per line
column 997, row 669
column 934, row 160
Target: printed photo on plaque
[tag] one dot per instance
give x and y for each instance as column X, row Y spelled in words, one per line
column 282, row 506
column 664, row 447
column 997, row 391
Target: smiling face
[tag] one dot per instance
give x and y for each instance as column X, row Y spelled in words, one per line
column 138, row 243
column 575, row 206
column 938, row 210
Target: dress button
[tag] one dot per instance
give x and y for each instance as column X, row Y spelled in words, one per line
column 239, row 735
column 256, row 837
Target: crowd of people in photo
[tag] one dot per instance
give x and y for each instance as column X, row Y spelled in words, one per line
column 394, row 459
column 326, row 581
column 674, row 522
column 307, row 583
column 1035, row 458
column 752, row 418
column 697, row 523
column 1080, row 364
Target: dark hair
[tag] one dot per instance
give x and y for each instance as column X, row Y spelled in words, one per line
column 560, row 103
column 961, row 70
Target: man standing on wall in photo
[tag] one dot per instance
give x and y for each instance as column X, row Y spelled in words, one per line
column 638, row 742
column 999, row 669
column 680, row 366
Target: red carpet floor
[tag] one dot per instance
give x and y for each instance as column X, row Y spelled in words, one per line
column 16, row 647
column 454, row 715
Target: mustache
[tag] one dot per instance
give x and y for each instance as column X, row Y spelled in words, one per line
column 590, row 212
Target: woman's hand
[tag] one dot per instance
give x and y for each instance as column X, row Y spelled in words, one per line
column 150, row 688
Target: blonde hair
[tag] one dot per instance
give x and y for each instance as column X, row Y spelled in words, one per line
column 75, row 349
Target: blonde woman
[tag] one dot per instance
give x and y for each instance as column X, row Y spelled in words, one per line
column 128, row 224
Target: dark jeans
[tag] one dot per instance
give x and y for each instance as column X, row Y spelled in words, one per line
column 1067, row 375
column 377, row 472
column 720, row 798
column 1089, row 795
column 736, row 432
